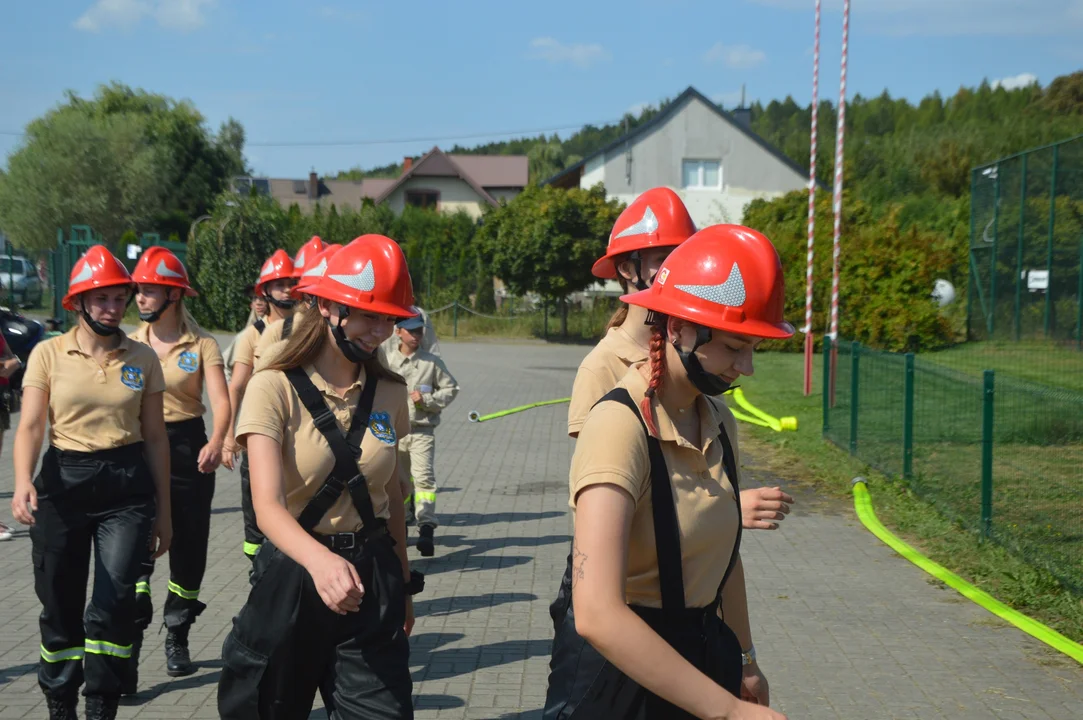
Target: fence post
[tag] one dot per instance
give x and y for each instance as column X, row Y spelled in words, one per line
column 1049, row 242
column 855, row 361
column 990, row 322
column 1017, row 320
column 1079, row 302
column 908, row 418
column 827, row 383
column 987, row 453
column 455, row 319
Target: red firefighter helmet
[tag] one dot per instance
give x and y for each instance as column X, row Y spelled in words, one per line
column 277, row 267
column 725, row 277
column 368, row 274
column 315, row 271
column 657, row 218
column 308, row 252
column 98, row 268
column 158, row 266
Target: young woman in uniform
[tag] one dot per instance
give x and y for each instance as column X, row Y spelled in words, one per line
column 274, row 284
column 190, row 361
column 643, row 236
column 658, row 621
column 330, row 597
column 280, row 329
column 257, row 311
column 104, row 481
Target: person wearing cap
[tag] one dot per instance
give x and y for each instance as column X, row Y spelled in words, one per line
column 257, row 311
column 331, row 587
column 431, row 388
column 103, row 485
column 274, row 337
column 191, row 363
column 430, row 342
column 274, row 284
column 657, row 624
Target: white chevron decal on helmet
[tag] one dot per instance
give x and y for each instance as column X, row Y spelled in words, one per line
column 317, row 271
column 86, row 273
column 646, row 226
column 268, row 268
column 363, row 281
column 164, row 271
column 730, row 293
column 301, row 260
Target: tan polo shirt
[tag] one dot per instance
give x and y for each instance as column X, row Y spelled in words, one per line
column 612, row 449
column 268, row 354
column 271, row 335
column 93, row 407
column 600, row 371
column 244, row 347
column 183, row 368
column 271, row 407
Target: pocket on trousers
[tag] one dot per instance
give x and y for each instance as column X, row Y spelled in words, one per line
column 238, row 686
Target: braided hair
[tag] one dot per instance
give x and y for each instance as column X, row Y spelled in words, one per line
column 657, row 360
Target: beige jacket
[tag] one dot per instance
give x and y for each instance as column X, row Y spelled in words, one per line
column 427, row 374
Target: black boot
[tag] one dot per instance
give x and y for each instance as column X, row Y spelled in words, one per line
column 178, row 662
column 101, row 707
column 130, row 684
column 61, row 707
column 424, row 541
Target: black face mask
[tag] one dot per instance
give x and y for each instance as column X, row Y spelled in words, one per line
column 705, row 382
column 280, row 304
column 98, row 328
column 348, row 348
column 156, row 315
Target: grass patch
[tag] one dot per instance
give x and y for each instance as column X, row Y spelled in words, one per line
column 1034, row 361
column 1032, row 502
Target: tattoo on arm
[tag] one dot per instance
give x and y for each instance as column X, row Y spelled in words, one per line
column 579, row 559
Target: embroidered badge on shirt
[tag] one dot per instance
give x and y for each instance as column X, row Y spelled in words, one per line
column 188, row 361
column 132, row 377
column 380, row 427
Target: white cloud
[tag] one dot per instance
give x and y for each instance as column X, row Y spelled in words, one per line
column 553, row 51
column 1015, row 82
column 734, row 56
column 950, row 18
column 180, row 15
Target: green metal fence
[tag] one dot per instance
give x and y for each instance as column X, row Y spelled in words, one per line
column 1026, row 246
column 1000, row 456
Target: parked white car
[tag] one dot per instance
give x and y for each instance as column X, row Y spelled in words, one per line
column 19, row 273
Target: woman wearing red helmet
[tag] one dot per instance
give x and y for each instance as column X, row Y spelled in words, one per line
column 654, row 488
column 330, row 602
column 191, row 362
column 104, row 481
column 275, row 283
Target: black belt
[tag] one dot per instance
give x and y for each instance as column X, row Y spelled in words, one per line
column 350, row 540
column 116, row 454
column 189, row 425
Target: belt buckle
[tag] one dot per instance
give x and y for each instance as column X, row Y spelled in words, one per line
column 348, row 541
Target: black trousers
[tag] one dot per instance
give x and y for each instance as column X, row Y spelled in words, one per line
column 286, row 644
column 584, row 685
column 104, row 500
column 191, row 493
column 253, row 538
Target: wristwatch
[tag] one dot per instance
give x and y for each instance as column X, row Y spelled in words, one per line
column 748, row 656
column 416, row 584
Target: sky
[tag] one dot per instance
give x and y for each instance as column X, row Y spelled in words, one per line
column 327, row 85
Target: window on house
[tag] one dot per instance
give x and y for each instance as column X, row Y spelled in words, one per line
column 701, row 174
column 423, row 198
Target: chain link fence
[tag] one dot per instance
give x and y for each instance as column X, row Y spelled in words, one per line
column 1000, row 456
column 1026, row 247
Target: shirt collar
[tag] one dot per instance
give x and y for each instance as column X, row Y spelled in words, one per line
column 70, row 344
column 624, row 346
column 187, row 335
column 324, row 388
column 709, row 416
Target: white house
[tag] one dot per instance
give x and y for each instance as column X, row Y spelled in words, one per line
column 710, row 157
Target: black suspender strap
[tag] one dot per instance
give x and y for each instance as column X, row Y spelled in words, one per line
column 667, row 534
column 347, row 451
column 729, row 461
column 260, row 326
column 287, row 327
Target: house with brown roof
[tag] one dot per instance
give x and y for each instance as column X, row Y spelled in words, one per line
column 447, row 183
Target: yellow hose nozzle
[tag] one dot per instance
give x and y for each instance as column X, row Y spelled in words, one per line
column 788, row 423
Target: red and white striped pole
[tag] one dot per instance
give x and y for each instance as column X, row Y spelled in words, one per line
column 839, row 143
column 812, row 205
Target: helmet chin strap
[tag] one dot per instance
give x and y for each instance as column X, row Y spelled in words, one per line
column 98, row 328
column 707, row 383
column 280, row 304
column 347, row 347
column 156, row 315
column 637, row 260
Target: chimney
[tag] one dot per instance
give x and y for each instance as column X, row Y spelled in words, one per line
column 407, row 163
column 313, row 186
column 742, row 114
